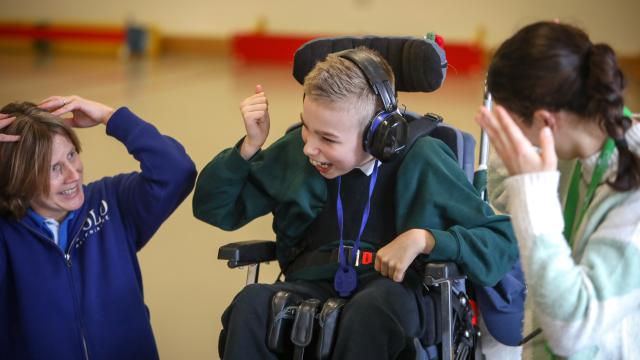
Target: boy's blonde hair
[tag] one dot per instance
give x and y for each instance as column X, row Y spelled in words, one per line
column 337, row 80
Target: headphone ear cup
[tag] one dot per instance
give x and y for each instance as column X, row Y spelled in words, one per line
column 369, row 132
column 386, row 135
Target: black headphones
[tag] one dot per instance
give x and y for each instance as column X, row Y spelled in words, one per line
column 386, row 133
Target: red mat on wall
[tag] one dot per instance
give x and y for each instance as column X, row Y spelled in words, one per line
column 279, row 48
column 100, row 34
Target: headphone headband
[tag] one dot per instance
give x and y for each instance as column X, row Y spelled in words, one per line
column 385, row 135
column 375, row 75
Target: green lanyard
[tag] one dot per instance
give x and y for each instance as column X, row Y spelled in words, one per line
column 574, row 193
column 570, row 223
column 626, row 112
column 572, row 197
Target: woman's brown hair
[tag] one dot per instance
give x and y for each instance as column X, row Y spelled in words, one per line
column 25, row 164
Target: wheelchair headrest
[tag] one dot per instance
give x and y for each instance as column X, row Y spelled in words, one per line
column 419, row 65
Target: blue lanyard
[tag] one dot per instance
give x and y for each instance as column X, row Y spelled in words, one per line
column 346, row 279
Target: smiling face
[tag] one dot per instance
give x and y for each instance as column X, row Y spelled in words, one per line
column 332, row 134
column 65, row 182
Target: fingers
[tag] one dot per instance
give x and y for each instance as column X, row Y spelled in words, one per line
column 381, row 266
column 9, row 138
column 254, row 113
column 254, row 100
column 58, row 105
column 547, row 145
column 506, row 136
column 5, row 120
column 389, row 269
column 397, row 275
column 49, row 102
column 259, row 89
column 68, row 105
column 53, row 102
column 258, row 98
column 254, row 107
column 490, row 124
column 514, row 136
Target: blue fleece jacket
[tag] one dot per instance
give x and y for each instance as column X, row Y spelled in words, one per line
column 88, row 303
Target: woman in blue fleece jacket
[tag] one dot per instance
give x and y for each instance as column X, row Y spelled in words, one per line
column 70, row 281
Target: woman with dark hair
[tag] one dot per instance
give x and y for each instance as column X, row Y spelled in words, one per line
column 558, row 91
column 70, row 282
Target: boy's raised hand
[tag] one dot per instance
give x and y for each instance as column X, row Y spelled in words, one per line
column 255, row 113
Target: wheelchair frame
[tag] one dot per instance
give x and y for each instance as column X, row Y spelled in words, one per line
column 254, row 252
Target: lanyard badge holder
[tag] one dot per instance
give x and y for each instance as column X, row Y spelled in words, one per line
column 346, row 279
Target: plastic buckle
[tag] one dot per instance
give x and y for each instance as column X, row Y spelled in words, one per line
column 363, row 257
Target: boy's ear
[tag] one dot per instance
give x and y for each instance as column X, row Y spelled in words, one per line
column 546, row 118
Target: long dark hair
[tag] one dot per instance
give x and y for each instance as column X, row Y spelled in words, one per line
column 556, row 67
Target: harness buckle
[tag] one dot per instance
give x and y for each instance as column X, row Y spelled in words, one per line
column 363, row 257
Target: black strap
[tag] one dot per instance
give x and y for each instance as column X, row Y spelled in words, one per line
column 302, row 329
column 321, row 257
column 284, row 306
column 420, row 127
column 530, row 337
column 327, row 327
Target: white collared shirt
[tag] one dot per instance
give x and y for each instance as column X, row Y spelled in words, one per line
column 367, row 168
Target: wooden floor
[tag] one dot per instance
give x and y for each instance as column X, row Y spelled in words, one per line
column 196, row 101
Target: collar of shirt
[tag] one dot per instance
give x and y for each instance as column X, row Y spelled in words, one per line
column 367, row 168
column 56, row 231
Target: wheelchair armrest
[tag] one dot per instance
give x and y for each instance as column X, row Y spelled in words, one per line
column 437, row 272
column 247, row 252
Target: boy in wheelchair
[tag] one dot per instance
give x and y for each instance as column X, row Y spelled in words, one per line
column 356, row 209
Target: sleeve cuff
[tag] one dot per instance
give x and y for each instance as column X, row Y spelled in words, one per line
column 234, row 164
column 236, row 149
column 534, row 204
column 122, row 123
column 447, row 246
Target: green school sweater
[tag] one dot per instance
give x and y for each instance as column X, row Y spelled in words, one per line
column 431, row 192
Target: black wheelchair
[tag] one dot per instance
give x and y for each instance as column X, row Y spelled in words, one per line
column 419, row 65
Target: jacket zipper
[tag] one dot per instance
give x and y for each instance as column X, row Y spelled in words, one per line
column 67, row 259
